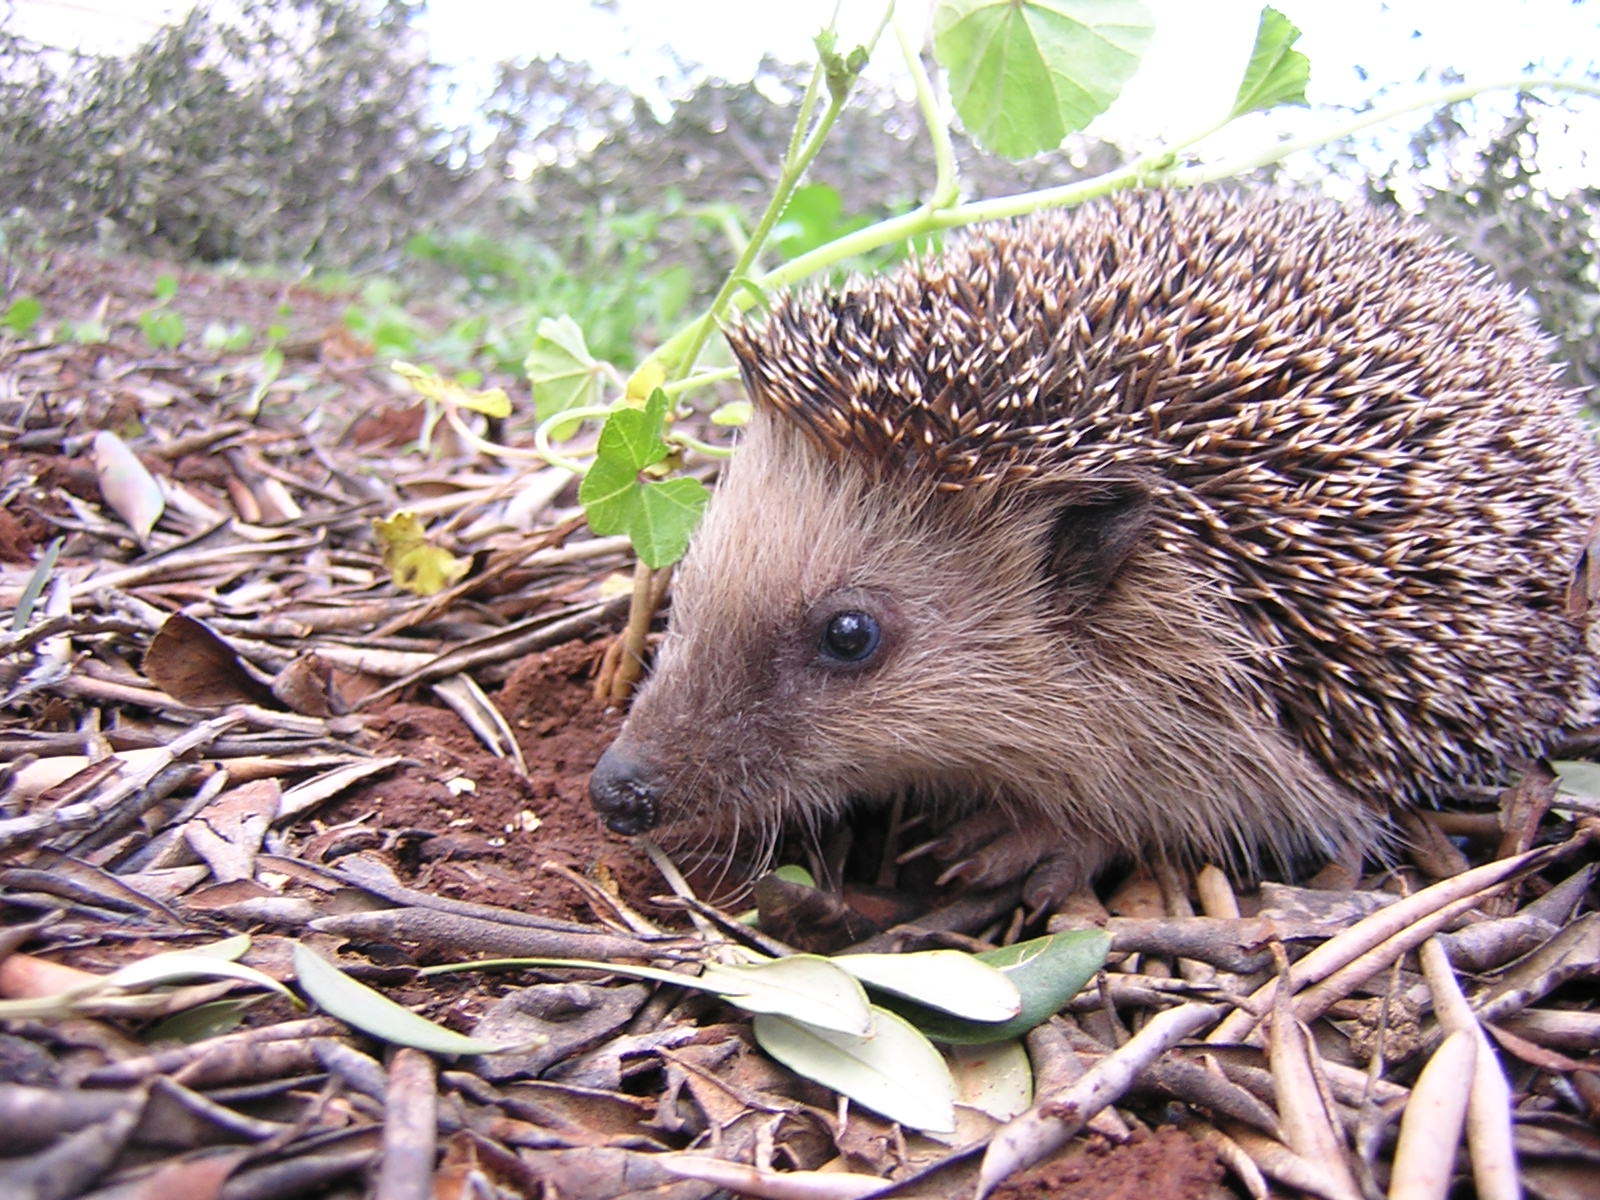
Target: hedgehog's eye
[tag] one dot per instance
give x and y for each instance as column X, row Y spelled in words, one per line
column 850, row 637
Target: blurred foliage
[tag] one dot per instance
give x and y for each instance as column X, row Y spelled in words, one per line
column 1486, row 190
column 303, row 133
column 288, row 130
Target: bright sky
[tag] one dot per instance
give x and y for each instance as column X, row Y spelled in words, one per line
column 1198, row 52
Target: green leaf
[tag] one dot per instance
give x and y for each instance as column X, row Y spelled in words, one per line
column 948, row 980
column 229, row 337
column 1277, row 73
column 667, row 513
column 657, row 515
column 34, row 588
column 1025, row 73
column 896, row 1072
column 202, row 1021
column 996, row 1079
column 22, row 315
column 1047, row 972
column 795, row 873
column 803, row 987
column 562, row 374
column 839, row 70
column 166, row 287
column 88, row 332
column 372, row 1012
column 163, row 328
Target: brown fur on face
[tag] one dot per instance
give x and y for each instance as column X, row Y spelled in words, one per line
column 1195, row 525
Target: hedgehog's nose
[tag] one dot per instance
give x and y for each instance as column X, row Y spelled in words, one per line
column 624, row 792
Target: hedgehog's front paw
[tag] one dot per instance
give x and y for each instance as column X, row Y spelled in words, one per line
column 990, row 848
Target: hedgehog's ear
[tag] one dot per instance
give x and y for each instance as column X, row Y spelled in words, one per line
column 1095, row 526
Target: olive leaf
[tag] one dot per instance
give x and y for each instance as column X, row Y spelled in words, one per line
column 803, row 987
column 657, row 515
column 1047, row 972
column 372, row 1012
column 1277, row 73
column 1025, row 73
column 895, row 1071
column 948, row 980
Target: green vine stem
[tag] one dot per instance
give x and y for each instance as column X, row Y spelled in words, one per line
column 541, row 435
column 946, row 184
column 680, row 352
column 1154, row 167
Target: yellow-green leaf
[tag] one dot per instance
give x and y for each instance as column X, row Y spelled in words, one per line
column 414, row 562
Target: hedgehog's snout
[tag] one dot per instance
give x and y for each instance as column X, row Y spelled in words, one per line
column 625, row 791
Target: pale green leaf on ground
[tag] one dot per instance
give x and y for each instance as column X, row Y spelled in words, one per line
column 1026, row 73
column 38, row 578
column 949, row 980
column 1047, row 972
column 128, row 488
column 1277, row 73
column 1577, row 778
column 805, row 987
column 896, row 1072
column 88, row 332
column 163, row 328
column 996, row 1078
column 562, row 374
column 372, row 1012
column 207, row 962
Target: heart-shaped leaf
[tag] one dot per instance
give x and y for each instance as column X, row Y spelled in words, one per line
column 1025, row 73
column 657, row 515
column 1277, row 73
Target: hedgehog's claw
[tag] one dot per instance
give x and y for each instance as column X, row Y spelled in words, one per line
column 920, row 850
column 988, row 848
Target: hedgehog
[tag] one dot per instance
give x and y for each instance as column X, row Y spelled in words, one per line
column 1189, row 525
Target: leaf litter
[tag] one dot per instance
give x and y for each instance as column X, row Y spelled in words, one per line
column 222, row 717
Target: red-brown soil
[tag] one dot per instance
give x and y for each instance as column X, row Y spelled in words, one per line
column 489, row 843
